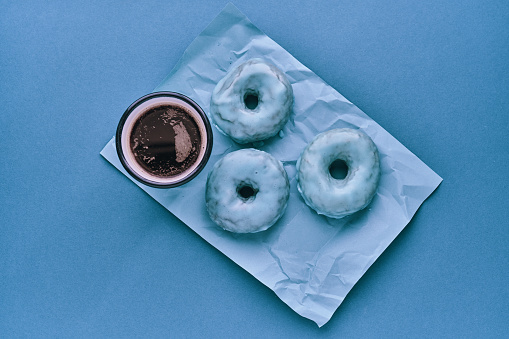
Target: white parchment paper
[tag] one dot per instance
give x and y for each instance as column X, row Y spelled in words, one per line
column 310, row 261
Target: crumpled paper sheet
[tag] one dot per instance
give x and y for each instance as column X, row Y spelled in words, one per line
column 310, row 261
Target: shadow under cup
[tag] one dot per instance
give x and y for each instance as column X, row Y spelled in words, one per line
column 164, row 139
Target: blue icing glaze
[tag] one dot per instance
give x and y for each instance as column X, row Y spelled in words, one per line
column 261, row 117
column 247, row 191
column 337, row 198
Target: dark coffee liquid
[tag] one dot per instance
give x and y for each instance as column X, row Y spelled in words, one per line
column 165, row 140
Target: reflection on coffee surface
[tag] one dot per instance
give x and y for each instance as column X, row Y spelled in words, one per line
column 165, row 140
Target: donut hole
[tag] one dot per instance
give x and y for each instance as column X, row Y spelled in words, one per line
column 246, row 192
column 251, row 99
column 338, row 169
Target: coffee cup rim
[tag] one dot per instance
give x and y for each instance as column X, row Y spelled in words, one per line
column 131, row 109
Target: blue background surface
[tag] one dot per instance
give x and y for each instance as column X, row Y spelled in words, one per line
column 84, row 252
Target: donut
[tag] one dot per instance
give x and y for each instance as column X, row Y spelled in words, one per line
column 252, row 102
column 320, row 182
column 247, row 191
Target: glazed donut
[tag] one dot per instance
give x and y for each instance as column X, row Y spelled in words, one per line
column 252, row 102
column 247, row 191
column 326, row 192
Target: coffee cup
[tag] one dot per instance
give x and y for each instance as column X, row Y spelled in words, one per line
column 164, row 139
